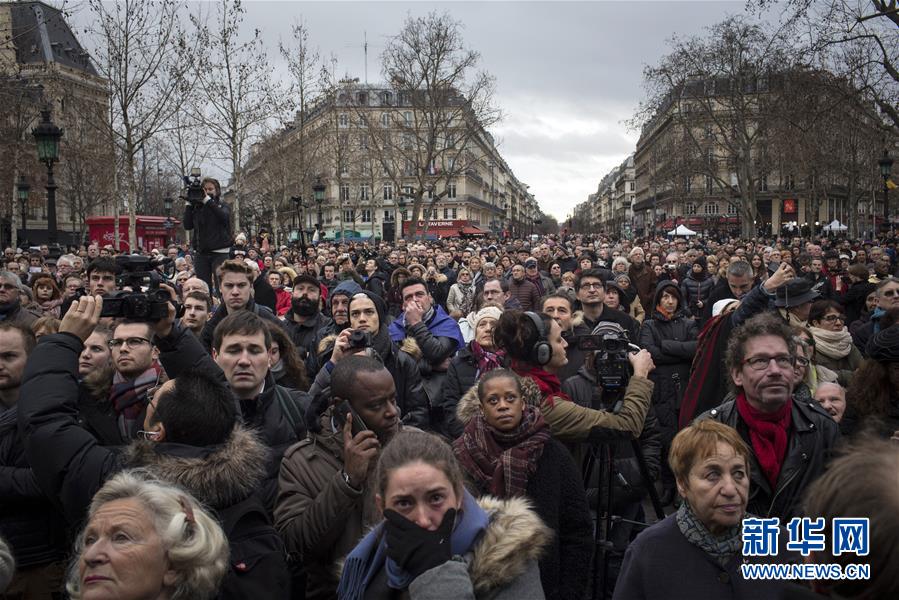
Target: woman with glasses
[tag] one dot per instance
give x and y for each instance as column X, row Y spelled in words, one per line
column 809, row 374
column 833, row 342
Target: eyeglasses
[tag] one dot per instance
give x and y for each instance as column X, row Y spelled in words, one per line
column 832, row 318
column 132, row 342
column 591, row 286
column 760, row 363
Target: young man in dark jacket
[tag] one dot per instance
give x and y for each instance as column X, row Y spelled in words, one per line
column 210, row 221
column 192, row 439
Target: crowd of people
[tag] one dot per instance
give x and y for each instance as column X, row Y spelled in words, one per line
column 416, row 419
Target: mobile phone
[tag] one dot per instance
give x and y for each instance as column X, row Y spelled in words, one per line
column 341, row 409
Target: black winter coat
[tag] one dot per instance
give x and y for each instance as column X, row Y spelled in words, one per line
column 211, row 224
column 208, row 333
column 79, row 466
column 697, row 290
column 583, row 389
column 461, row 375
column 377, row 284
column 672, row 344
column 29, row 523
column 854, row 300
column 813, row 439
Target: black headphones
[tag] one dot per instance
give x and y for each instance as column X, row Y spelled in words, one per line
column 541, row 352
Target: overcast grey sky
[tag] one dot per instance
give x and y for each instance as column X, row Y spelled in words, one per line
column 568, row 73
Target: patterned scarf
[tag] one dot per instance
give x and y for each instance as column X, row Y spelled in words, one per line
column 549, row 384
column 468, row 291
column 769, row 433
column 128, row 396
column 487, row 360
column 720, row 547
column 500, row 461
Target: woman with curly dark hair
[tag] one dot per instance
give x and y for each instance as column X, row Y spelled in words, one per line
column 874, row 406
column 287, row 368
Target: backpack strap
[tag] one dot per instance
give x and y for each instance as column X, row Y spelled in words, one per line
column 290, row 409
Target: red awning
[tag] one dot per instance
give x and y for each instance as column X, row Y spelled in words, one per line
column 472, row 230
column 694, row 221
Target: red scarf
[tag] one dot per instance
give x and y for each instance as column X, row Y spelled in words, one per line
column 549, row 384
column 502, row 463
column 769, row 433
column 664, row 312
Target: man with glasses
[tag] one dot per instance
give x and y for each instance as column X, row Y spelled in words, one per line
column 791, row 441
column 136, row 372
column 591, row 292
column 887, row 297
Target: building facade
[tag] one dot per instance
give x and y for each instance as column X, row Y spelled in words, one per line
column 43, row 66
column 366, row 147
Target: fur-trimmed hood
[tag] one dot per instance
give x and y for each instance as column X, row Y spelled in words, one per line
column 408, row 345
column 470, row 405
column 515, row 537
column 219, row 476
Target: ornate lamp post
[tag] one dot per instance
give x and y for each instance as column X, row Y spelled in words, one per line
column 886, row 166
column 22, row 189
column 47, row 136
column 298, row 201
column 318, row 194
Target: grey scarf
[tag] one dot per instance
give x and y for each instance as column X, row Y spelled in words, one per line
column 720, row 547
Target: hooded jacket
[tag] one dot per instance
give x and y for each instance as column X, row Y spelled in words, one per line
column 672, row 343
column 695, row 290
column 557, row 493
column 224, row 477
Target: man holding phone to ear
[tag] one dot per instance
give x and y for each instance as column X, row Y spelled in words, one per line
column 320, row 511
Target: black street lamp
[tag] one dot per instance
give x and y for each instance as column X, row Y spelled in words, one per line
column 886, row 166
column 318, row 194
column 22, row 189
column 47, row 136
column 298, row 200
column 169, row 223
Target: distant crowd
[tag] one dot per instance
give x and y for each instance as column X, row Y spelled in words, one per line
column 444, row 418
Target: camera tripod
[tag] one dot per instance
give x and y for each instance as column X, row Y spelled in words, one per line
column 600, row 466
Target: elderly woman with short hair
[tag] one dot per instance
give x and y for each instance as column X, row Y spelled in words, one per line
column 147, row 540
column 696, row 552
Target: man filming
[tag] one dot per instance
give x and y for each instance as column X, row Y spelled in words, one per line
column 210, row 220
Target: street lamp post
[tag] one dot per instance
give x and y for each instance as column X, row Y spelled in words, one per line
column 318, row 194
column 169, row 224
column 298, row 201
column 47, row 136
column 886, row 166
column 22, row 189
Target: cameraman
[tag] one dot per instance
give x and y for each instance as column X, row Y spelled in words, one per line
column 210, row 220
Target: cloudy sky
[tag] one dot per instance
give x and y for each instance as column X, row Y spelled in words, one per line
column 568, row 73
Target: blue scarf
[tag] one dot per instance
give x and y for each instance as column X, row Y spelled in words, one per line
column 875, row 318
column 440, row 325
column 367, row 558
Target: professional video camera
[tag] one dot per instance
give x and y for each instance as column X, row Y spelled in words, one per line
column 193, row 187
column 610, row 346
column 145, row 301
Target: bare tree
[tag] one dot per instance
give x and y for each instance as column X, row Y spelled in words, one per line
column 235, row 94
column 441, row 109
column 141, row 51
column 856, row 39
column 717, row 90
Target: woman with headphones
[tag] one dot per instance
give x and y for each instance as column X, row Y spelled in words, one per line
column 535, row 350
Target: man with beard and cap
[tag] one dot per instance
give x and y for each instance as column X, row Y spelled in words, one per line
column 305, row 320
column 368, row 313
column 11, row 308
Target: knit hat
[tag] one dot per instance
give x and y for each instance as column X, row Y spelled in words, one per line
column 347, row 287
column 487, row 311
column 380, row 305
column 702, row 261
column 884, row 345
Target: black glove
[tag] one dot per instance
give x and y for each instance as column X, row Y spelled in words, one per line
column 415, row 549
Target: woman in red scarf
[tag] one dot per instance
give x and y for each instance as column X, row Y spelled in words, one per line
column 506, row 451
column 535, row 350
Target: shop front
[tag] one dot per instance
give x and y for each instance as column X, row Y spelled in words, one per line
column 152, row 232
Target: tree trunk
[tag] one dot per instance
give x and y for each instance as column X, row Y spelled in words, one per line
column 235, row 173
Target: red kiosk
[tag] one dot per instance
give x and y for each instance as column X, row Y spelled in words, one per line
column 152, row 232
